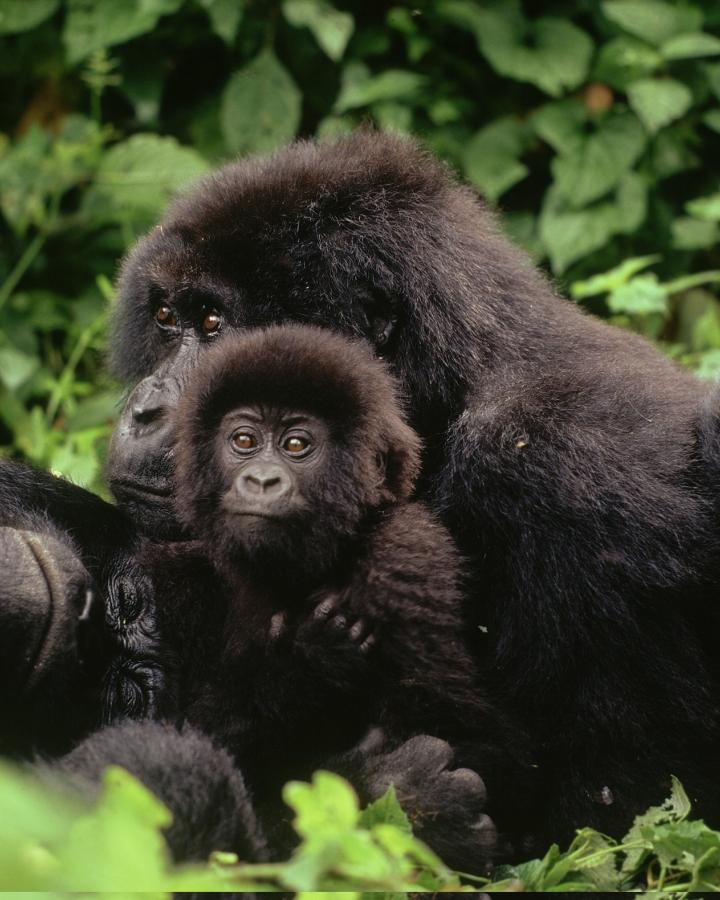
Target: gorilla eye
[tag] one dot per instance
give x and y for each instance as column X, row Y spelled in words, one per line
column 296, row 445
column 244, row 441
column 212, row 322
column 165, row 316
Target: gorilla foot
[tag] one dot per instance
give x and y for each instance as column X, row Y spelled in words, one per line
column 445, row 805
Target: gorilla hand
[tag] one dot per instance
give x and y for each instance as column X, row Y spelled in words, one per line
column 44, row 594
column 445, row 805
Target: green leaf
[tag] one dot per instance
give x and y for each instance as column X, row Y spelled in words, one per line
column 712, row 73
column 22, row 15
column 689, row 46
column 561, row 124
column 712, row 119
column 360, row 88
column 93, row 24
column 225, row 17
column 694, row 234
column 138, row 177
column 658, row 102
column 675, row 808
column 393, row 117
column 640, row 297
column 16, row 367
column 385, row 810
column 708, row 365
column 652, row 20
column 612, row 279
column 490, row 158
column 551, row 53
column 625, row 59
column 599, row 160
column 706, row 208
column 260, row 107
column 326, row 806
column 331, row 28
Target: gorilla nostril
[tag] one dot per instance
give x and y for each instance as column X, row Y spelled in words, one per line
column 146, row 414
column 272, row 485
column 251, row 484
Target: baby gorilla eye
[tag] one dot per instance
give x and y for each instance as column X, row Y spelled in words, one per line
column 244, row 441
column 165, row 316
column 296, row 445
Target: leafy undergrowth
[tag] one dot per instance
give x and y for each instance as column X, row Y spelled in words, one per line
column 49, row 841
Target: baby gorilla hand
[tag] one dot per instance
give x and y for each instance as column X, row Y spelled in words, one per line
column 335, row 641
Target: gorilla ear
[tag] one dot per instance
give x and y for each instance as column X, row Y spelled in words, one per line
column 399, row 462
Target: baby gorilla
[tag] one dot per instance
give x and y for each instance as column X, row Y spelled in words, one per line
column 337, row 602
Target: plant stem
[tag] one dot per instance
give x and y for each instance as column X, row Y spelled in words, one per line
column 21, row 267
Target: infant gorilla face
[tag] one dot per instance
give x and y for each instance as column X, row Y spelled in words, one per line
column 269, row 458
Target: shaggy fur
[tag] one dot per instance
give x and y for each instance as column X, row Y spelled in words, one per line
column 292, row 681
column 575, row 465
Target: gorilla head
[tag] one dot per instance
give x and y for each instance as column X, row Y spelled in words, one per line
column 368, row 236
column 288, row 440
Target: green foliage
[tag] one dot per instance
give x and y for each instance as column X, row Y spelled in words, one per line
column 595, row 127
column 50, row 840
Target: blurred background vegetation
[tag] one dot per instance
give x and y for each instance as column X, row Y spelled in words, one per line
column 593, row 126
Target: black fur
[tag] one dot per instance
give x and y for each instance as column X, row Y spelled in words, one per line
column 568, row 457
column 355, row 615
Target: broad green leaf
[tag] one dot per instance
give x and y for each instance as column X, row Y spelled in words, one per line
column 689, row 46
column 491, row 156
column 658, row 102
column 652, row 20
column 625, row 59
column 712, row 119
column 225, row 17
column 93, row 24
column 561, row 124
column 675, row 808
column 22, row 15
column 694, row 234
column 138, row 177
column 598, row 162
column 393, row 117
column 386, row 810
column 260, row 107
column 554, row 55
column 16, row 367
column 332, row 127
column 708, row 366
column 78, row 466
column 639, row 297
column 568, row 235
column 328, row 805
column 712, row 73
column 360, row 88
column 331, row 28
column 612, row 279
column 706, row 208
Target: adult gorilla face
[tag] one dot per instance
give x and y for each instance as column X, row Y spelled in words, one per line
column 355, row 236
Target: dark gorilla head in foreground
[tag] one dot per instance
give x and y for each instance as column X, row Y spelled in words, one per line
column 289, row 438
column 369, row 236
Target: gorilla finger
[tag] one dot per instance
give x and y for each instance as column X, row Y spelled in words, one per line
column 338, row 622
column 278, row 626
column 372, row 743
column 359, row 630
column 324, row 609
column 368, row 644
column 430, row 753
column 471, row 784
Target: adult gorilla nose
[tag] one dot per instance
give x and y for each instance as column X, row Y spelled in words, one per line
column 148, row 404
column 263, row 481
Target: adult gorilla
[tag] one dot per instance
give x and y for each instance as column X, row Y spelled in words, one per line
column 575, row 465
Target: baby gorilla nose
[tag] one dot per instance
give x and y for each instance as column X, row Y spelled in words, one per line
column 263, row 481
